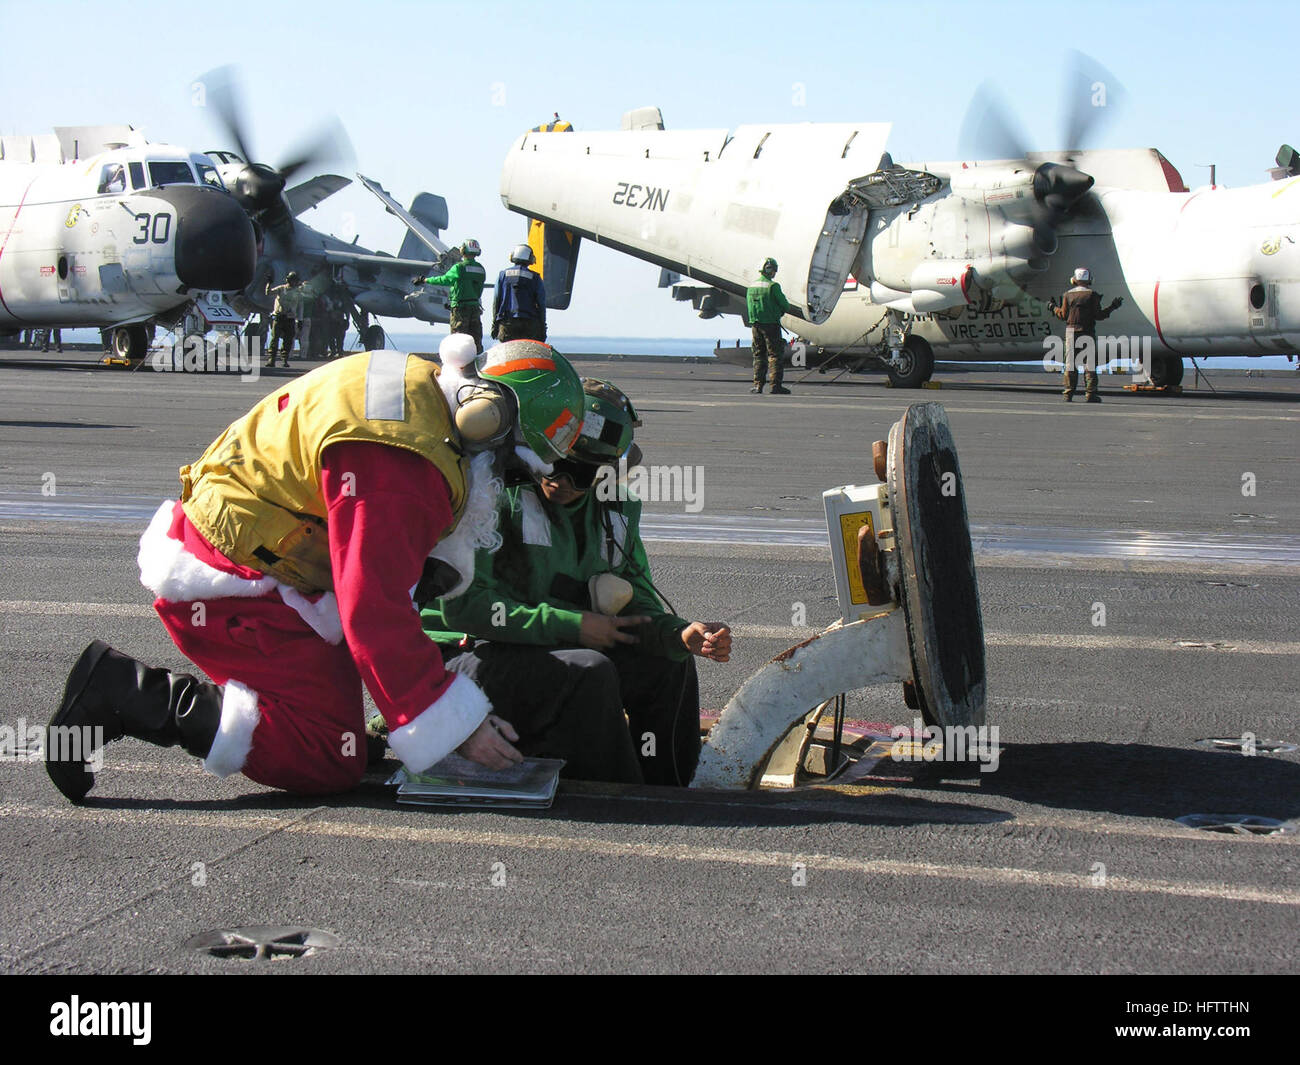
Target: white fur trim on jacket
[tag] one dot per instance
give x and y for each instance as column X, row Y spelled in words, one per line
column 478, row 524
column 172, row 573
column 169, row 571
column 239, row 717
column 322, row 615
column 442, row 727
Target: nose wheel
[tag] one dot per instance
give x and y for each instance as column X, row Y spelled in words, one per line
column 914, row 364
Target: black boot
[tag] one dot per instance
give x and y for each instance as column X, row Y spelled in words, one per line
column 119, row 696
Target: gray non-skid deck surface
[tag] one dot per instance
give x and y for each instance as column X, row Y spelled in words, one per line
column 1067, row 858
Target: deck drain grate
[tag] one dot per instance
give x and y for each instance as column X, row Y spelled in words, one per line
column 263, row 942
column 1246, row 745
column 1237, row 824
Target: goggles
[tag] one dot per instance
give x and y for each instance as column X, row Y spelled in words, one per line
column 579, row 474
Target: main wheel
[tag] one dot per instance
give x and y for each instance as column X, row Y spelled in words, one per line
column 130, row 342
column 1166, row 370
column 373, row 338
column 916, row 364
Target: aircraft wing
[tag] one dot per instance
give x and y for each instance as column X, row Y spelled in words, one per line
column 423, row 232
column 310, row 193
column 709, row 205
column 368, row 259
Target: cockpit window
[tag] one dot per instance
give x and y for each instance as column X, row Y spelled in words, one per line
column 112, row 179
column 208, row 176
column 137, row 175
column 169, row 173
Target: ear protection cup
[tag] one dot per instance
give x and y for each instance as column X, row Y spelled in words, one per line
column 479, row 419
column 487, row 417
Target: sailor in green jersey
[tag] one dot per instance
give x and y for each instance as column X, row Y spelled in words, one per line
column 566, row 630
column 765, row 303
column 466, row 280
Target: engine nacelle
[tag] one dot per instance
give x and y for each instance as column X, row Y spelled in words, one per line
column 991, row 186
column 935, row 285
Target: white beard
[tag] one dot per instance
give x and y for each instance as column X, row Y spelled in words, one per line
column 478, row 523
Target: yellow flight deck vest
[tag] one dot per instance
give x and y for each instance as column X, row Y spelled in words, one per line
column 256, row 492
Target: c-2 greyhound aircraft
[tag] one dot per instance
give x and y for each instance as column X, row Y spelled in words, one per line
column 900, row 262
column 100, row 228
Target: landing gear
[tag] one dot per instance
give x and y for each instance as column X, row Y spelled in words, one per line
column 130, row 342
column 1166, row 370
column 372, row 338
column 914, row 366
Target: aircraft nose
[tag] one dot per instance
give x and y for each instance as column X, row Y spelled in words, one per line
column 215, row 244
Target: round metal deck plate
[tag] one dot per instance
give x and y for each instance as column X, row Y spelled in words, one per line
column 263, row 942
column 940, row 595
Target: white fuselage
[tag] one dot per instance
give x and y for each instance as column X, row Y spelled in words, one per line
column 1212, row 272
column 967, row 253
column 90, row 242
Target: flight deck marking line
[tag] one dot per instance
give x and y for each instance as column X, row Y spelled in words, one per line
column 786, row 632
column 793, row 634
column 889, row 803
column 1039, row 412
column 994, row 875
column 1063, row 641
column 279, row 825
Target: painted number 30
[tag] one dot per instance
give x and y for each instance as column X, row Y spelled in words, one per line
column 156, row 227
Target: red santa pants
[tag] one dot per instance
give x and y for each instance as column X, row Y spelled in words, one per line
column 310, row 736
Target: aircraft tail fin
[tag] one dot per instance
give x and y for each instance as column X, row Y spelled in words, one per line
column 555, row 250
column 432, row 211
column 556, row 254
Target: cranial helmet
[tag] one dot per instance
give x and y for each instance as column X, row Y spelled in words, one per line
column 547, row 390
column 1082, row 274
column 607, row 424
column 523, row 255
column 470, row 247
column 292, row 277
column 768, row 268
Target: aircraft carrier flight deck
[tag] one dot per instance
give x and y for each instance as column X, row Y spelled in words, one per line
column 1138, row 564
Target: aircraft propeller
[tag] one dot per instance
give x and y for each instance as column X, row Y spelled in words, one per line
column 258, row 186
column 990, row 131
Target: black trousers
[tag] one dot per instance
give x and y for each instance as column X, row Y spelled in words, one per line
column 570, row 703
column 521, row 329
column 283, row 327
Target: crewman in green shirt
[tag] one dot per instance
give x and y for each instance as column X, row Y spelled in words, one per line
column 765, row 303
column 565, row 628
column 466, row 280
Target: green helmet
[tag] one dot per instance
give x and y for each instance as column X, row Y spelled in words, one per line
column 607, row 424
column 768, row 268
column 547, row 390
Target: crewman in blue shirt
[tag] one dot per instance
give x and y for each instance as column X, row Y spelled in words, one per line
column 519, row 307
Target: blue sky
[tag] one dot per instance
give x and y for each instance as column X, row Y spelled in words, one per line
column 432, row 94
